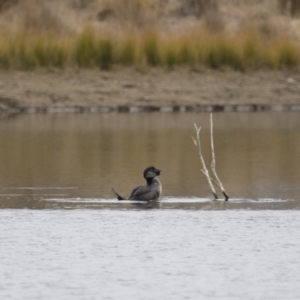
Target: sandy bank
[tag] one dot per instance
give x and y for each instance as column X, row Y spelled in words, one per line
column 131, row 90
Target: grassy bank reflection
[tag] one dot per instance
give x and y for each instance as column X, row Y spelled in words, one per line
column 256, row 154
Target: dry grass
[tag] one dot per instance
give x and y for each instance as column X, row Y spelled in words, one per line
column 5, row 4
column 128, row 12
column 126, row 35
column 199, row 8
column 289, row 6
column 248, row 50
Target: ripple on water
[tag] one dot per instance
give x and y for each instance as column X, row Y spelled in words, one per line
column 41, row 199
column 157, row 254
column 176, row 203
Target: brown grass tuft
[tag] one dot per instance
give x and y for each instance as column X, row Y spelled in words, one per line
column 129, row 12
column 5, row 4
column 38, row 16
column 199, row 8
column 289, row 6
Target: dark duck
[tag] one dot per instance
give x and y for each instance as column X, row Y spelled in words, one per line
column 148, row 192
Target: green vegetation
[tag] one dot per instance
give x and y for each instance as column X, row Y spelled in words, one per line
column 246, row 51
column 36, row 34
column 150, row 49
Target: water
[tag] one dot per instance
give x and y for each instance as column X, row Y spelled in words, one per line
column 70, row 156
column 156, row 254
column 64, row 236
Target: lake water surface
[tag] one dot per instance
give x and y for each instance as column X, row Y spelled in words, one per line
column 64, row 236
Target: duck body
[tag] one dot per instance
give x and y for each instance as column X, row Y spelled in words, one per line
column 149, row 192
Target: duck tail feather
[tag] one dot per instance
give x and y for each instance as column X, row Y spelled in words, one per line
column 117, row 195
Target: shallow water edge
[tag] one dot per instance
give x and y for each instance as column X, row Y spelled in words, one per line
column 55, row 202
column 252, row 107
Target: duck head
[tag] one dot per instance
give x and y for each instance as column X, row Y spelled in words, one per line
column 151, row 172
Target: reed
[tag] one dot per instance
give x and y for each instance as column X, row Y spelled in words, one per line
column 252, row 51
column 249, row 50
column 85, row 48
column 127, row 51
column 185, row 52
column 287, row 53
column 104, row 56
column 48, row 53
column 150, row 48
column 4, row 58
column 170, row 57
column 224, row 52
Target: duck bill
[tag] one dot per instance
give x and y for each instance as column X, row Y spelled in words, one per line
column 157, row 172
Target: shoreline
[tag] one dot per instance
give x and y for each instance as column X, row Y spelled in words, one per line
column 150, row 90
column 151, row 109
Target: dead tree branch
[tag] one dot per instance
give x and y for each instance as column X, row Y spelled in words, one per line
column 213, row 162
column 204, row 170
column 210, row 180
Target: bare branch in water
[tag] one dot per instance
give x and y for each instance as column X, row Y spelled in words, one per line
column 205, row 171
column 213, row 162
column 210, row 180
column 213, row 180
